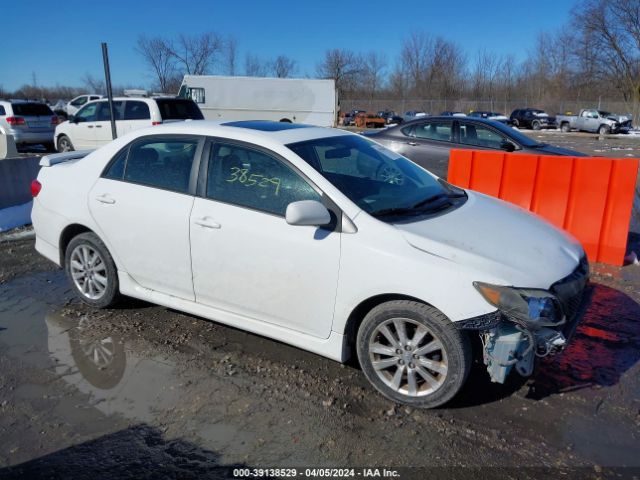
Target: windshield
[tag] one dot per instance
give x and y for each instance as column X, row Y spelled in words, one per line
column 378, row 180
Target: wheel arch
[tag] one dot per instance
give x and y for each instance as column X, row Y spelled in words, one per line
column 67, row 234
column 360, row 311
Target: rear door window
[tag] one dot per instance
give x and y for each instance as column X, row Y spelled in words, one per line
column 136, row 111
column 31, row 109
column 2, row 111
column 178, row 109
column 160, row 163
column 441, row 131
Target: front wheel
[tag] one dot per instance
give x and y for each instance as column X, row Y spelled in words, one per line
column 92, row 272
column 603, row 130
column 413, row 354
column 64, row 144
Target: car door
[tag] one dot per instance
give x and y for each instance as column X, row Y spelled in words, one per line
column 246, row 258
column 428, row 143
column 141, row 205
column 102, row 132
column 82, row 128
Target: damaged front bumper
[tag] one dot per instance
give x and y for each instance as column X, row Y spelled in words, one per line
column 513, row 342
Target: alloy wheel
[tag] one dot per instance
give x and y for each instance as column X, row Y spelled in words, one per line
column 88, row 271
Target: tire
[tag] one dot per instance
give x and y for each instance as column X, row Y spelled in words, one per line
column 438, row 373
column 515, row 123
column 565, row 127
column 535, row 125
column 603, row 130
column 91, row 271
column 64, row 144
column 285, row 120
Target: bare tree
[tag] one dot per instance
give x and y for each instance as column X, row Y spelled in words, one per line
column 613, row 32
column 372, row 72
column 282, row 66
column 93, row 85
column 254, row 67
column 157, row 53
column 232, row 55
column 343, row 66
column 198, row 53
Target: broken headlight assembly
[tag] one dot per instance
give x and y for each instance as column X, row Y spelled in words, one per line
column 531, row 308
column 529, row 332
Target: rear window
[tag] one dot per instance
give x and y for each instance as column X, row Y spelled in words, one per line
column 31, row 109
column 179, row 109
column 136, row 111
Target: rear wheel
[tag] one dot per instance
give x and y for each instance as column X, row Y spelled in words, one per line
column 535, row 125
column 413, row 354
column 92, row 271
column 64, row 144
column 565, row 127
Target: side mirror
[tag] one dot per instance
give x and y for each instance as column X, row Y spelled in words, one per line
column 307, row 212
column 507, row 146
column 72, row 119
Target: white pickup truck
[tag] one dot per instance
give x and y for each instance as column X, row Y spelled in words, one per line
column 594, row 121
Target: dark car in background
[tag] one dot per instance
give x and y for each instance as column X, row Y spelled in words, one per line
column 428, row 141
column 495, row 116
column 449, row 113
column 532, row 118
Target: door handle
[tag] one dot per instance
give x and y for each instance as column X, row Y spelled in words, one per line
column 105, row 199
column 98, row 126
column 89, row 126
column 206, row 222
column 413, row 144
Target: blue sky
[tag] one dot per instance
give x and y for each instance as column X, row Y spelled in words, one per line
column 60, row 41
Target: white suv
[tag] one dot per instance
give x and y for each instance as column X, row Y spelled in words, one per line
column 91, row 127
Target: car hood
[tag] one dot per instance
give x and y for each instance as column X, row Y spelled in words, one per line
column 547, row 149
column 503, row 243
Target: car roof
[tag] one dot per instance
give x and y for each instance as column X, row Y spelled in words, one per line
column 255, row 131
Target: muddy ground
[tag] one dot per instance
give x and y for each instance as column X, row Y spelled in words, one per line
column 146, row 392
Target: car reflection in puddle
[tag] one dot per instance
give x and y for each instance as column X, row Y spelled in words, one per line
column 116, row 379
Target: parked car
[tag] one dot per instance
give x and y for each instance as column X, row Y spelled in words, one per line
column 350, row 118
column 428, row 141
column 495, row 116
column 594, row 121
column 413, row 114
column 30, row 123
column 532, row 118
column 316, row 237
column 453, row 114
column 369, row 120
column 91, row 126
column 78, row 102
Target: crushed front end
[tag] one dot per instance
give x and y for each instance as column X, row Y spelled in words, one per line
column 529, row 323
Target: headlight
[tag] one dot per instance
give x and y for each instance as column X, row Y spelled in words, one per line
column 530, row 307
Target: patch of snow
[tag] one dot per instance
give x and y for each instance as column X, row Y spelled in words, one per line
column 16, row 216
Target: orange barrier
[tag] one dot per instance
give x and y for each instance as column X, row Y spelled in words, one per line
column 590, row 197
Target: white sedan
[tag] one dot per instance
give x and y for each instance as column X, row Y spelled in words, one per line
column 316, row 237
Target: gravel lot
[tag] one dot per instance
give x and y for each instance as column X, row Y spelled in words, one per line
column 146, row 392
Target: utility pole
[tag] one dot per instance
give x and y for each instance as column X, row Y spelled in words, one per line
column 107, row 78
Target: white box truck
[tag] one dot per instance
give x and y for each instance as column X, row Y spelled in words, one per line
column 296, row 100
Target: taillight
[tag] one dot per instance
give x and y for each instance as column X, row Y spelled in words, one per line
column 15, row 121
column 155, row 123
column 55, row 120
column 36, row 186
